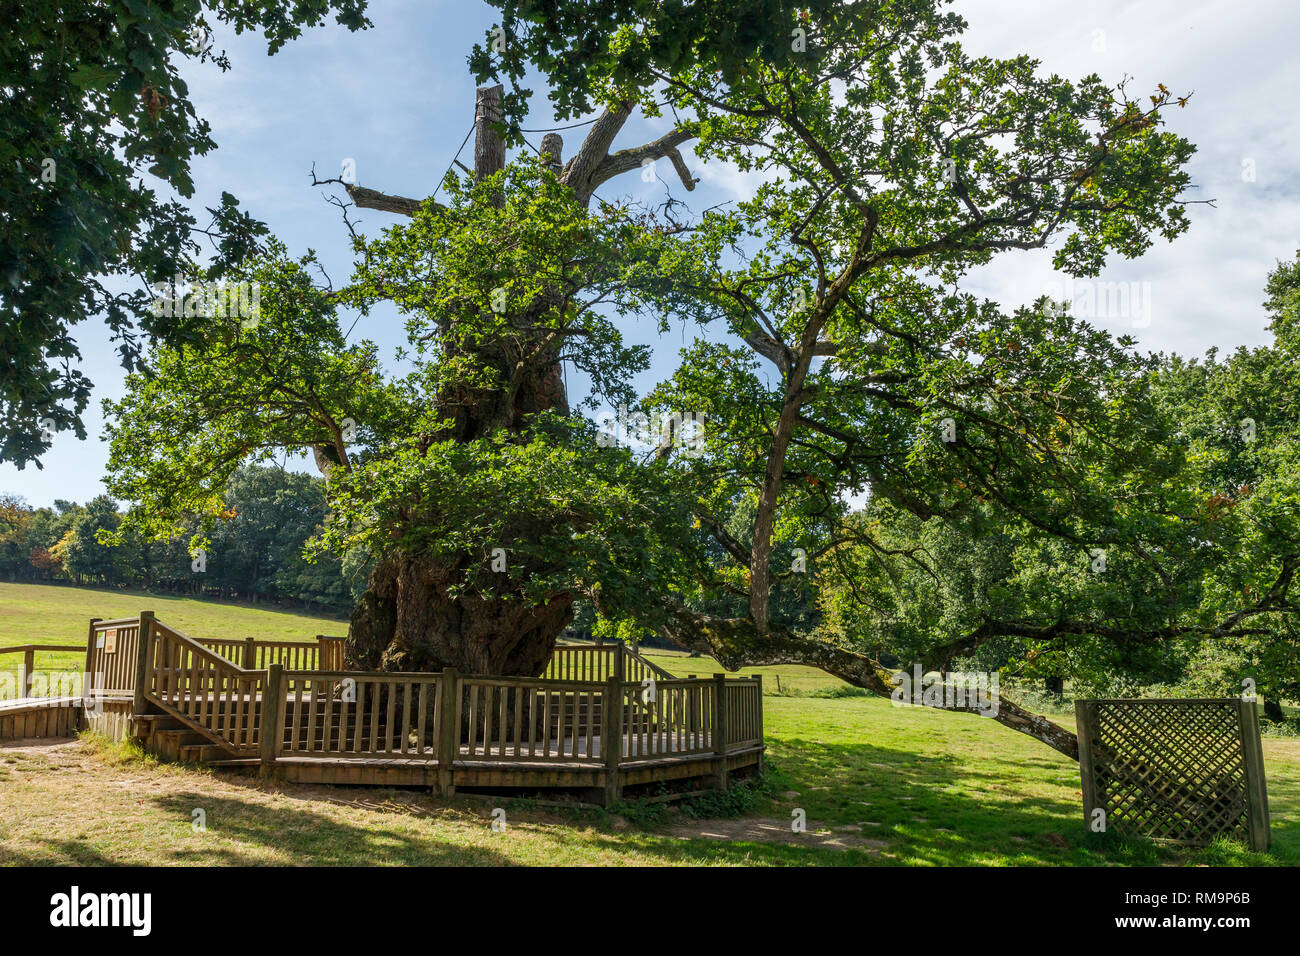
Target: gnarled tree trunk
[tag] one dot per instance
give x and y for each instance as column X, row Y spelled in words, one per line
column 407, row 621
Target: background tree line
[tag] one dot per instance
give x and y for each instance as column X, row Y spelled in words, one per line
column 255, row 551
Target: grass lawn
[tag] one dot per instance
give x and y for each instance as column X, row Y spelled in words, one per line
column 879, row 784
column 51, row 614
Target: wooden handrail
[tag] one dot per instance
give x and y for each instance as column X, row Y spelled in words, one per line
column 27, row 668
column 201, row 651
column 119, row 622
column 655, row 669
column 221, row 700
column 16, row 648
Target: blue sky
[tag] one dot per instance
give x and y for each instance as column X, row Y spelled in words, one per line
column 398, row 99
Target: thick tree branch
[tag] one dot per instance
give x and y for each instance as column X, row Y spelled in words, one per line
column 373, row 199
column 586, row 176
column 736, row 643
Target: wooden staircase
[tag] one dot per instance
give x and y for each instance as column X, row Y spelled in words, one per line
column 170, row 738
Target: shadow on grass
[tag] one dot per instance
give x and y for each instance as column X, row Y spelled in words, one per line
column 949, row 810
column 239, row 830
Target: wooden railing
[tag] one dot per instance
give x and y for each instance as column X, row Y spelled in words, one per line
column 276, row 713
column 350, row 714
column 111, row 656
column 28, row 682
column 426, row 717
column 325, row 655
column 743, row 700
column 537, row 720
column 593, row 663
column 217, row 698
column 675, row 716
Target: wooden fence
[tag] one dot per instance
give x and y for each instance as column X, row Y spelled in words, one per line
column 111, row 654
column 635, row 715
column 326, row 654
column 343, row 713
column 1183, row 771
column 594, row 663
column 27, row 681
column 425, row 716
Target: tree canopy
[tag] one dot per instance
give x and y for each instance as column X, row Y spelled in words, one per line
column 96, row 129
column 1003, row 452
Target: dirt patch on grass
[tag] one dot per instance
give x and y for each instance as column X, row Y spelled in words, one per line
column 774, row 830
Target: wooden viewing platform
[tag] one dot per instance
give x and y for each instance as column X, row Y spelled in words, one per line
column 598, row 720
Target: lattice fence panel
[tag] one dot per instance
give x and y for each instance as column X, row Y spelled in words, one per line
column 1184, row 771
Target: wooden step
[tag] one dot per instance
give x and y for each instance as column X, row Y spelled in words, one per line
column 167, row 744
column 142, row 725
column 204, row 753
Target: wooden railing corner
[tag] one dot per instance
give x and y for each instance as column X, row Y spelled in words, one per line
column 720, row 730
column 87, row 679
column 272, row 714
column 611, row 735
column 448, row 730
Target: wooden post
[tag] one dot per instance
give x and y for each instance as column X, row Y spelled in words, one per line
column 489, row 147
column 1256, row 790
column 88, row 686
column 143, row 647
column 720, row 731
column 249, row 659
column 272, row 704
column 448, row 731
column 762, row 741
column 611, row 735
column 25, row 675
column 1085, row 723
column 87, row 678
column 619, row 668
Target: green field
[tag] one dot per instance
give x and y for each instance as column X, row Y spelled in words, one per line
column 52, row 614
column 879, row 784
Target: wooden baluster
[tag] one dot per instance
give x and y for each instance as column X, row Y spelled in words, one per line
column 327, row 733
column 420, row 748
column 532, row 721
column 405, row 746
column 517, row 736
column 502, row 727
column 295, row 725
column 360, row 712
column 311, row 718
column 380, row 688
column 343, row 723
column 489, row 696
